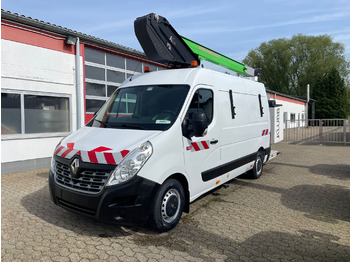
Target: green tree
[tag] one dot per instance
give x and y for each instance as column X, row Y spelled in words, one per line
column 288, row 65
column 331, row 95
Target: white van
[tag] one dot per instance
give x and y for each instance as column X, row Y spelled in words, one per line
column 162, row 140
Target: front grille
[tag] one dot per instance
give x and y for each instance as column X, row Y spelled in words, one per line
column 87, row 181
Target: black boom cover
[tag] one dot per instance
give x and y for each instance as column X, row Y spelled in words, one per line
column 162, row 43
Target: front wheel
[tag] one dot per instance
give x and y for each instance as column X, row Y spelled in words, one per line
column 256, row 172
column 168, row 206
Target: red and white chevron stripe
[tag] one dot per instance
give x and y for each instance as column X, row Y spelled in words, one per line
column 66, row 152
column 265, row 132
column 198, row 146
column 97, row 155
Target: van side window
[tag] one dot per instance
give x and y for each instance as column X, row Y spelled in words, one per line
column 232, row 105
column 202, row 101
column 261, row 107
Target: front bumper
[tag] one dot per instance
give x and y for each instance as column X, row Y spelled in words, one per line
column 127, row 203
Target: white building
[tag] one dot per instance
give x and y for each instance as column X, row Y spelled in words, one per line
column 50, row 87
column 294, row 110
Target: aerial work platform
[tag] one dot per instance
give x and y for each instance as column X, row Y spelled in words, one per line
column 163, row 44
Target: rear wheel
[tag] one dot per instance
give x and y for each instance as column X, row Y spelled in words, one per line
column 168, row 206
column 256, row 172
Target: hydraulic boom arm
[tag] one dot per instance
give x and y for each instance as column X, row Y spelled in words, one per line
column 163, row 44
column 205, row 53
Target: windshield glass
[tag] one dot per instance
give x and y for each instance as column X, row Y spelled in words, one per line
column 153, row 107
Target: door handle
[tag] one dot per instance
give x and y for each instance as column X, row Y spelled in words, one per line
column 213, row 141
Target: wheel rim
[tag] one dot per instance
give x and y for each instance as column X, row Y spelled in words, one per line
column 258, row 166
column 171, row 205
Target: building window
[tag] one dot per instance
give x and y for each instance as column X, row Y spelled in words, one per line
column 114, row 60
column 104, row 72
column 115, row 76
column 30, row 113
column 95, row 56
column 93, row 105
column 93, row 89
column 46, row 114
column 95, row 73
column 292, row 117
column 111, row 89
column 10, row 114
column 134, row 65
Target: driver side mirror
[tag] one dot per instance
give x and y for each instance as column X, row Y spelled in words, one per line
column 196, row 126
column 200, row 123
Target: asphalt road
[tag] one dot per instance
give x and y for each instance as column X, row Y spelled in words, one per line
column 299, row 210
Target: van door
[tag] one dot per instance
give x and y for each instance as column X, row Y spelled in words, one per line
column 202, row 154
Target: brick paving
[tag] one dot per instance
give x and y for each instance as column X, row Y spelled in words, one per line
column 299, row 210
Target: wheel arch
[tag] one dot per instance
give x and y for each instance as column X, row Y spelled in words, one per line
column 262, row 150
column 183, row 181
column 265, row 152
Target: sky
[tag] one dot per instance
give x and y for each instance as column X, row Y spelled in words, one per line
column 230, row 27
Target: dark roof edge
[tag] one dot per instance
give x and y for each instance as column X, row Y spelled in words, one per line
column 14, row 17
column 287, row 96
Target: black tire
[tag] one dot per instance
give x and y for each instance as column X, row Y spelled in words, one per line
column 257, row 170
column 168, row 206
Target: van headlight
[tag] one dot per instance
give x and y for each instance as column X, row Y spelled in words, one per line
column 131, row 164
column 53, row 165
column 53, row 161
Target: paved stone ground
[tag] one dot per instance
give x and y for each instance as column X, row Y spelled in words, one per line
column 299, row 210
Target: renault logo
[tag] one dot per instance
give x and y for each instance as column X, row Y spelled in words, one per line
column 74, row 166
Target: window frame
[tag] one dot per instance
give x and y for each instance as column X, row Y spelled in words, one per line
column 192, row 96
column 23, row 135
column 101, row 118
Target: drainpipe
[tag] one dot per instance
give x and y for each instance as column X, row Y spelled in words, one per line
column 78, row 85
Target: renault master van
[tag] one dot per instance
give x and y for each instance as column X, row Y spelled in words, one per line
column 162, row 140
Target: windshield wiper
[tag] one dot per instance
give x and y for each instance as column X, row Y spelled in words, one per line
column 103, row 123
column 129, row 126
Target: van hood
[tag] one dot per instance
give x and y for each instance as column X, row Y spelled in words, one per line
column 102, row 145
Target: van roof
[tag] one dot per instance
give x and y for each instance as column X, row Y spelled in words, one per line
column 188, row 76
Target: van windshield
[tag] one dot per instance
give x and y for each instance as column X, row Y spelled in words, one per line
column 153, row 107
